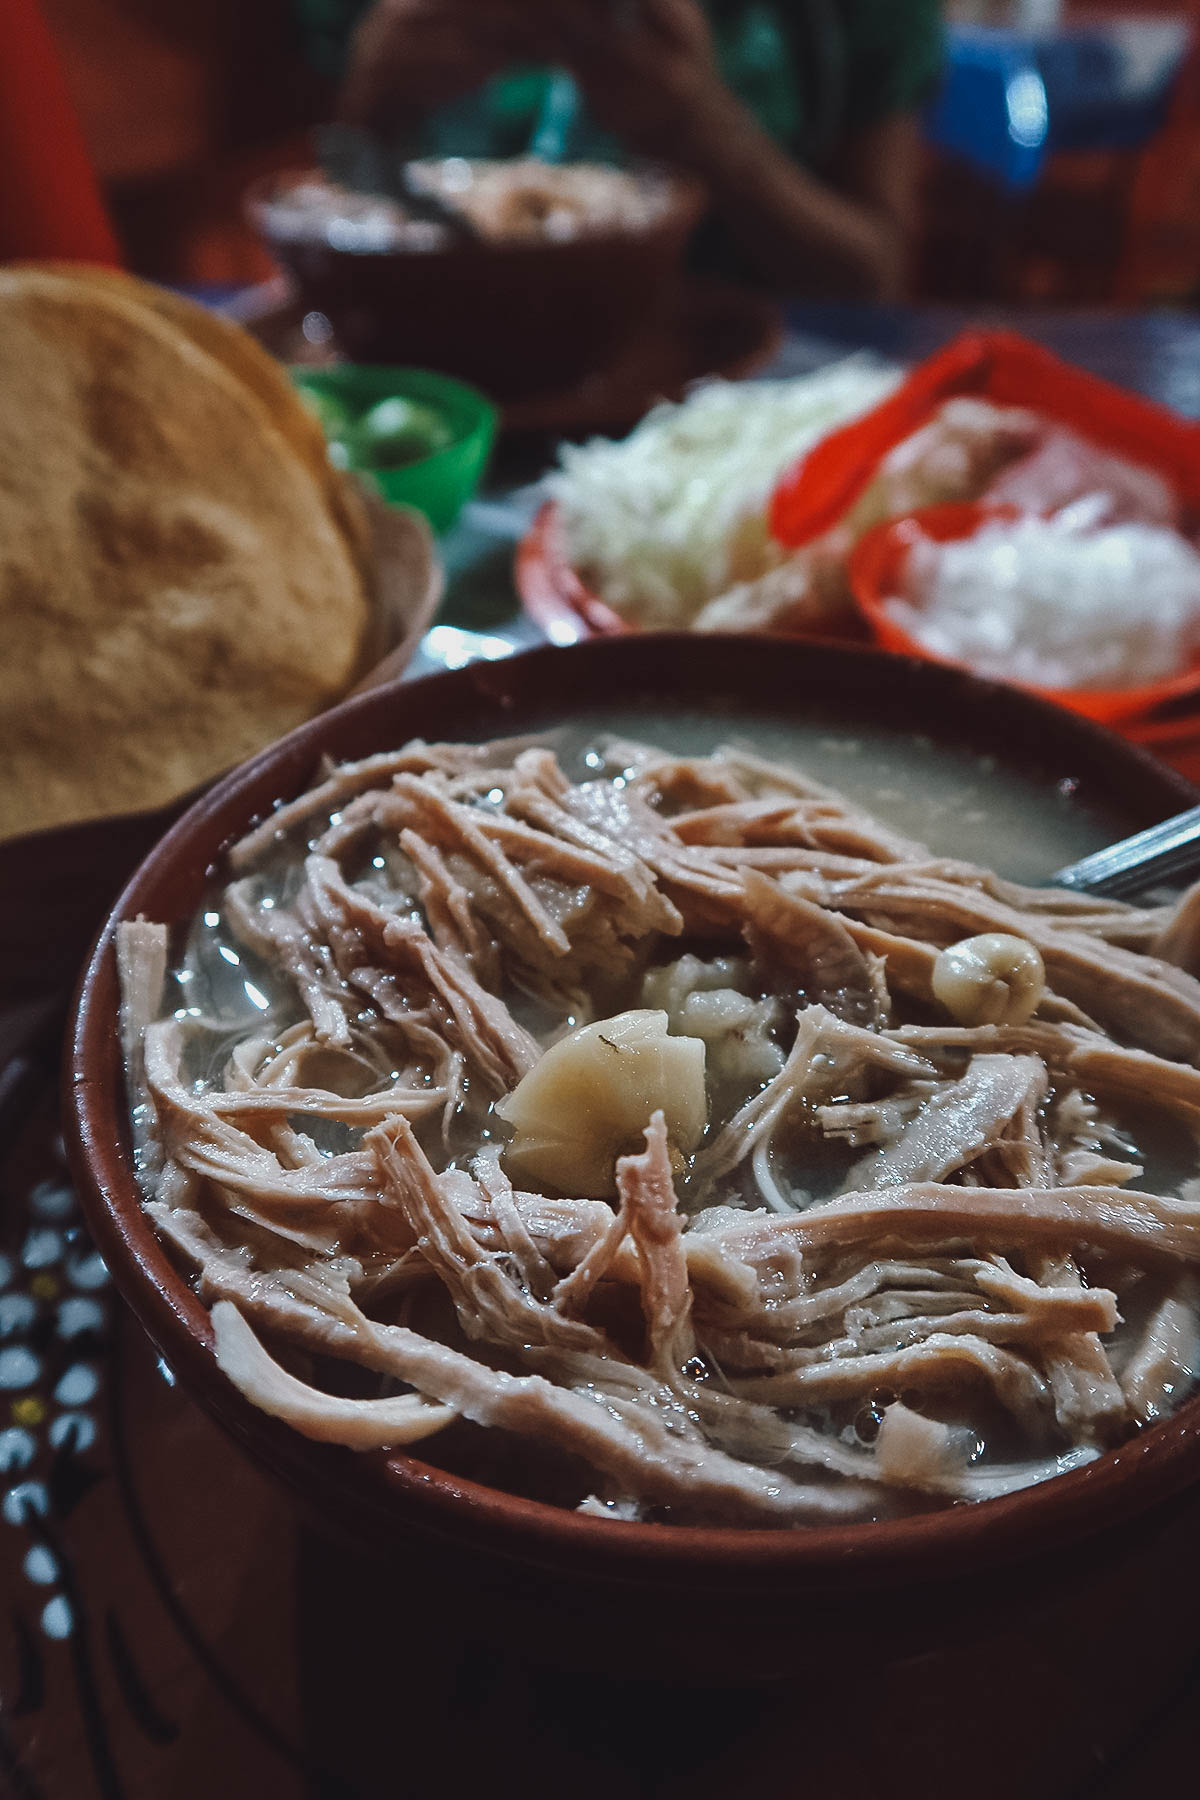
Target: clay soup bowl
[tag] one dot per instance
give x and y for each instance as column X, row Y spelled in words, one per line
column 650, row 1595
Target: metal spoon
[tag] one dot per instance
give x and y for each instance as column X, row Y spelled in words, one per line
column 1166, row 852
column 558, row 120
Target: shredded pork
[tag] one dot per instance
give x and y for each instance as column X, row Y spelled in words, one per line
column 910, row 1261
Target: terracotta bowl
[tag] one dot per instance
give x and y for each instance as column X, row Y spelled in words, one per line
column 638, row 1597
column 516, row 318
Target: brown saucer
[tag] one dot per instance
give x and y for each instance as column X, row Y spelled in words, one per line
column 716, row 328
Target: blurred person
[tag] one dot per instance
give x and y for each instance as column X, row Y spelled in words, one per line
column 799, row 116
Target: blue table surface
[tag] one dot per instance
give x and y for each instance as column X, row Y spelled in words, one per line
column 1155, row 353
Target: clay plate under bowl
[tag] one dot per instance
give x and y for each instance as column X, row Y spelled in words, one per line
column 649, row 1596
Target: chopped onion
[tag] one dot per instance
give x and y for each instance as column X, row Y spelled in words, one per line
column 675, row 514
column 1057, row 602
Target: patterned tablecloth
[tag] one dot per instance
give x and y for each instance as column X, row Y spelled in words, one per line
column 170, row 1630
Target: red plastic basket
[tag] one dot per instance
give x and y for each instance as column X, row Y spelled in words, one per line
column 554, row 592
column 998, row 365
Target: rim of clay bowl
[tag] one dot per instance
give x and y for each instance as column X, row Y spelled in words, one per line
column 685, row 201
column 745, row 676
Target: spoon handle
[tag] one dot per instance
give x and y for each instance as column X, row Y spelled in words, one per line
column 357, row 159
column 554, row 129
column 1166, row 852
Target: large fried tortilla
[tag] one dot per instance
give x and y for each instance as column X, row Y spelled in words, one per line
column 248, row 362
column 177, row 587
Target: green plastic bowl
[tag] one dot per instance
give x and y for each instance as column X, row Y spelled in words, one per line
column 439, row 485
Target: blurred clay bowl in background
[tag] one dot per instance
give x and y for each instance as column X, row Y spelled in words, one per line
column 515, row 316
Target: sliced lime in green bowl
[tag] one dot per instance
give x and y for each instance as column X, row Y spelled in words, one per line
column 398, row 431
column 422, row 439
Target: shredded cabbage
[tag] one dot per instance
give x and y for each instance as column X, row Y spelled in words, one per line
column 675, row 514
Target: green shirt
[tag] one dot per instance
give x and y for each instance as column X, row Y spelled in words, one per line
column 812, row 72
